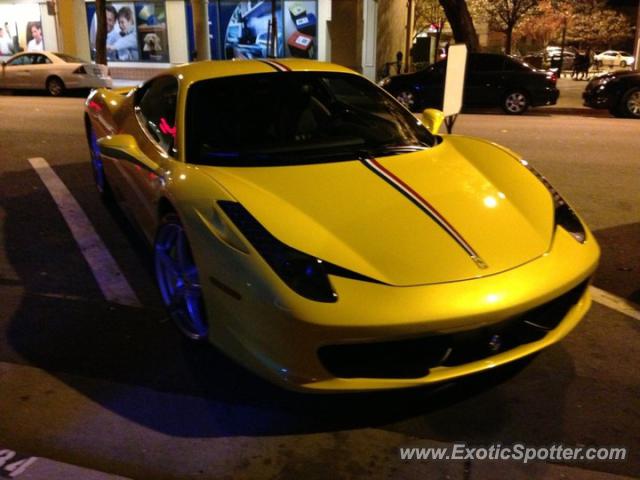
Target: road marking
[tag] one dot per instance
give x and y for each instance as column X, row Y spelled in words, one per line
column 110, row 278
column 616, row 303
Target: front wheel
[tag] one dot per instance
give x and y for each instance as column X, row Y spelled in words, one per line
column 515, row 103
column 177, row 278
column 55, row 86
column 623, row 64
column 630, row 104
column 408, row 99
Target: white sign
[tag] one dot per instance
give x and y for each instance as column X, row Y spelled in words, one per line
column 454, row 80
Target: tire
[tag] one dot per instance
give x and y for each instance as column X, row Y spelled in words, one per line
column 408, row 99
column 55, row 86
column 623, row 64
column 630, row 104
column 515, row 102
column 97, row 167
column 177, row 278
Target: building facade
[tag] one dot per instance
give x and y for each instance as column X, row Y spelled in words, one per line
column 146, row 35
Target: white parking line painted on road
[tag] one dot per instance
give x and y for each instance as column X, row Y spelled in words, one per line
column 615, row 303
column 110, row 278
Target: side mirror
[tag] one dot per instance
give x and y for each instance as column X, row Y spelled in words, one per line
column 432, row 119
column 125, row 147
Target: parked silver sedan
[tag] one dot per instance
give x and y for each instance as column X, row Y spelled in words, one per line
column 55, row 72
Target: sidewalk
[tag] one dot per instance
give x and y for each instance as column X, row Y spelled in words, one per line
column 569, row 103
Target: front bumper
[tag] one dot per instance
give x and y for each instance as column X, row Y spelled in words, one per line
column 597, row 98
column 280, row 335
column 548, row 96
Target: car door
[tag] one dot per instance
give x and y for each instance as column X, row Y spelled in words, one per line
column 39, row 70
column 608, row 58
column 155, row 112
column 16, row 72
column 428, row 85
column 484, row 80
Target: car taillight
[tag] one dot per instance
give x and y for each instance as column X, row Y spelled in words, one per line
column 553, row 78
column 80, row 70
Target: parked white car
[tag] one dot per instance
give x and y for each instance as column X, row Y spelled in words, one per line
column 55, row 72
column 614, row 58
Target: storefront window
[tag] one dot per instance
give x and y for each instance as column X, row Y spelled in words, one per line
column 246, row 27
column 136, row 31
column 300, row 28
column 20, row 29
column 242, row 28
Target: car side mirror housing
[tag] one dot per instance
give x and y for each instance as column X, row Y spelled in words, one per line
column 125, row 147
column 432, row 119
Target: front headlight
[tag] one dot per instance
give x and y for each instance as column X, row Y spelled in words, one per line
column 304, row 274
column 564, row 214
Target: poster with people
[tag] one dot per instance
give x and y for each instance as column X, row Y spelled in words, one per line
column 20, row 29
column 35, row 42
column 136, row 31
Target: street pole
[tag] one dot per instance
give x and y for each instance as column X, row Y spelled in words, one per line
column 409, row 37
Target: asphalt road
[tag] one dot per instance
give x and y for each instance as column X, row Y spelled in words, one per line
column 116, row 389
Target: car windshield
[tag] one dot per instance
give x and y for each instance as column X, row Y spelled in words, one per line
column 69, row 58
column 295, row 118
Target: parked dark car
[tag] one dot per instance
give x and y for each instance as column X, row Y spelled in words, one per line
column 491, row 80
column 617, row 91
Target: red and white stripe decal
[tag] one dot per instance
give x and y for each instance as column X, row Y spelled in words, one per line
column 373, row 165
column 280, row 67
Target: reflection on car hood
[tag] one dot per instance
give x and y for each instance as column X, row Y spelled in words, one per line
column 618, row 74
column 345, row 213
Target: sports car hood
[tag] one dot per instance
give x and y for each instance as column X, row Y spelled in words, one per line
column 463, row 209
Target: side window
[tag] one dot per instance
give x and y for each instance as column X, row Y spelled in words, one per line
column 156, row 107
column 513, row 65
column 21, row 60
column 39, row 60
column 486, row 63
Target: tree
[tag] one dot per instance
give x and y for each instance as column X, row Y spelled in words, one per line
column 544, row 23
column 101, row 32
column 429, row 13
column 593, row 24
column 461, row 23
column 504, row 15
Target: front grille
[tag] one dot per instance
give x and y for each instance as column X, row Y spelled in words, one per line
column 413, row 358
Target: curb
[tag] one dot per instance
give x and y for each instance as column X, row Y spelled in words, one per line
column 579, row 111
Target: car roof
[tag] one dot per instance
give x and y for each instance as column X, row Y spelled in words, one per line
column 195, row 72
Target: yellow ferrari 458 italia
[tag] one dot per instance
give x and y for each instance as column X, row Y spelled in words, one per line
column 318, row 233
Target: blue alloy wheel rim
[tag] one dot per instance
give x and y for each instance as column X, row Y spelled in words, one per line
column 177, row 278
